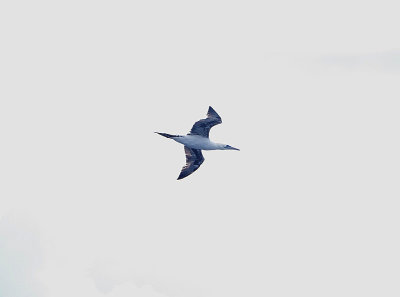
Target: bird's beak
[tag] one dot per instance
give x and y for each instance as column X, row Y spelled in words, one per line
column 233, row 148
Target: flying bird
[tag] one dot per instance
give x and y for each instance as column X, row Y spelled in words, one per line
column 197, row 140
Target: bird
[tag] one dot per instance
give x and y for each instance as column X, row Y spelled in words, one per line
column 197, row 140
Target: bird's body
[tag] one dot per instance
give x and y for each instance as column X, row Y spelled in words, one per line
column 198, row 140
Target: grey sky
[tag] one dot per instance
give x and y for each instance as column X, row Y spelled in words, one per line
column 308, row 207
column 388, row 61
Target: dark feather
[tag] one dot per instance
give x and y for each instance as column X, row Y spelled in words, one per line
column 203, row 126
column 194, row 158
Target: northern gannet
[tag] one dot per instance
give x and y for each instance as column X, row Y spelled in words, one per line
column 198, row 139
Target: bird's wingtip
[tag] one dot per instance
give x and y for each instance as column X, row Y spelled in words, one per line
column 212, row 113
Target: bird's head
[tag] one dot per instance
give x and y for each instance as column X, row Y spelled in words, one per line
column 227, row 147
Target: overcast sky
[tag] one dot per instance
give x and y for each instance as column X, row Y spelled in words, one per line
column 89, row 201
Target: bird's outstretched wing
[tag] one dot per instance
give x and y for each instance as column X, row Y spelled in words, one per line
column 194, row 158
column 203, row 126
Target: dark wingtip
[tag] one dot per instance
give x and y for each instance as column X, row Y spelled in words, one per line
column 183, row 174
column 212, row 113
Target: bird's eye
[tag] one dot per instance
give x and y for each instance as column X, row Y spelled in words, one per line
column 226, row 146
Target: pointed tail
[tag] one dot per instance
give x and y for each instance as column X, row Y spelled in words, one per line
column 167, row 135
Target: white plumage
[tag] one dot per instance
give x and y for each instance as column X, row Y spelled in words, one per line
column 198, row 142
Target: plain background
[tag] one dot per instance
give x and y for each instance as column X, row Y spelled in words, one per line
column 90, row 205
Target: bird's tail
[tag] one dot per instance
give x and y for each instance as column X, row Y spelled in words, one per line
column 167, row 135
